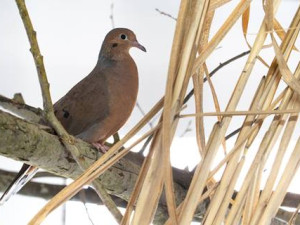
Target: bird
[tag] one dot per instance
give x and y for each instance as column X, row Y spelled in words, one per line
column 100, row 104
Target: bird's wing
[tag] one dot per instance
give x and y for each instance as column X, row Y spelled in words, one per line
column 85, row 104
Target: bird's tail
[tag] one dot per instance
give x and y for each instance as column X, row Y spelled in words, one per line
column 25, row 174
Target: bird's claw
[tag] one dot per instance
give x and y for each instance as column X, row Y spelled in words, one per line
column 101, row 147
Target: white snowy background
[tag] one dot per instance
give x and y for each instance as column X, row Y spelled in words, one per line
column 70, row 34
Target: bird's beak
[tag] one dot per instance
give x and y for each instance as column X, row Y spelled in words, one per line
column 138, row 45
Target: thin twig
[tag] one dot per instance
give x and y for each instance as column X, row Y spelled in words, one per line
column 112, row 15
column 236, row 131
column 26, row 111
column 64, row 209
column 82, row 195
column 221, row 65
column 143, row 113
column 166, row 14
column 145, row 144
column 187, row 129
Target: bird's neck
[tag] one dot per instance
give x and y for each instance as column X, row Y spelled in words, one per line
column 114, row 53
column 115, row 61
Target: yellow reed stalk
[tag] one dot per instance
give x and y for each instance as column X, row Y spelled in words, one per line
column 218, row 219
column 264, row 150
column 230, row 21
column 284, row 70
column 236, row 220
column 269, row 15
column 241, row 140
column 160, row 161
column 279, row 193
column 143, row 215
column 281, row 32
column 245, row 23
column 221, row 199
column 283, row 105
column 251, row 197
column 241, row 113
column 209, row 192
column 246, row 136
column 266, row 193
column 176, row 87
column 198, row 93
column 268, row 190
column 217, row 135
column 214, row 4
column 198, row 85
column 136, row 190
column 191, row 34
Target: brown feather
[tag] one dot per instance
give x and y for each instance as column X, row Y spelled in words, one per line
column 100, row 104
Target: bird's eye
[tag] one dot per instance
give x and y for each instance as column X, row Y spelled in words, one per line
column 123, row 36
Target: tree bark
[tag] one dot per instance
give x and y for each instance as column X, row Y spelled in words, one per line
column 39, row 146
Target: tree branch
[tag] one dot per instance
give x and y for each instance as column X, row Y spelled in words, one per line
column 28, row 112
column 29, row 143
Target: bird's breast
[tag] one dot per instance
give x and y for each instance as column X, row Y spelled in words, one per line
column 123, row 87
column 123, row 90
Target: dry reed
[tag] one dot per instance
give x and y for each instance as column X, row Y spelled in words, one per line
column 191, row 48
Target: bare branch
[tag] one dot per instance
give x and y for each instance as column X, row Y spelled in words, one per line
column 166, row 14
column 29, row 143
column 28, row 112
column 187, row 129
column 82, row 195
column 112, row 15
column 143, row 113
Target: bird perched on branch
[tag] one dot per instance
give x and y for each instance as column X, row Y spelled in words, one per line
column 99, row 105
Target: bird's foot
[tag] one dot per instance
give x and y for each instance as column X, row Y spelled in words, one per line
column 101, row 147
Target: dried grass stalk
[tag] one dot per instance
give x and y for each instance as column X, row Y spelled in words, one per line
column 191, row 48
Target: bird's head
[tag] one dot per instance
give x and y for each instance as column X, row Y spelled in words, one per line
column 119, row 41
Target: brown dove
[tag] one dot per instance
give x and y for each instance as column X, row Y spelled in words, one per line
column 99, row 105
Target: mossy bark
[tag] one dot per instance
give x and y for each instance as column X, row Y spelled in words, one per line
column 38, row 145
